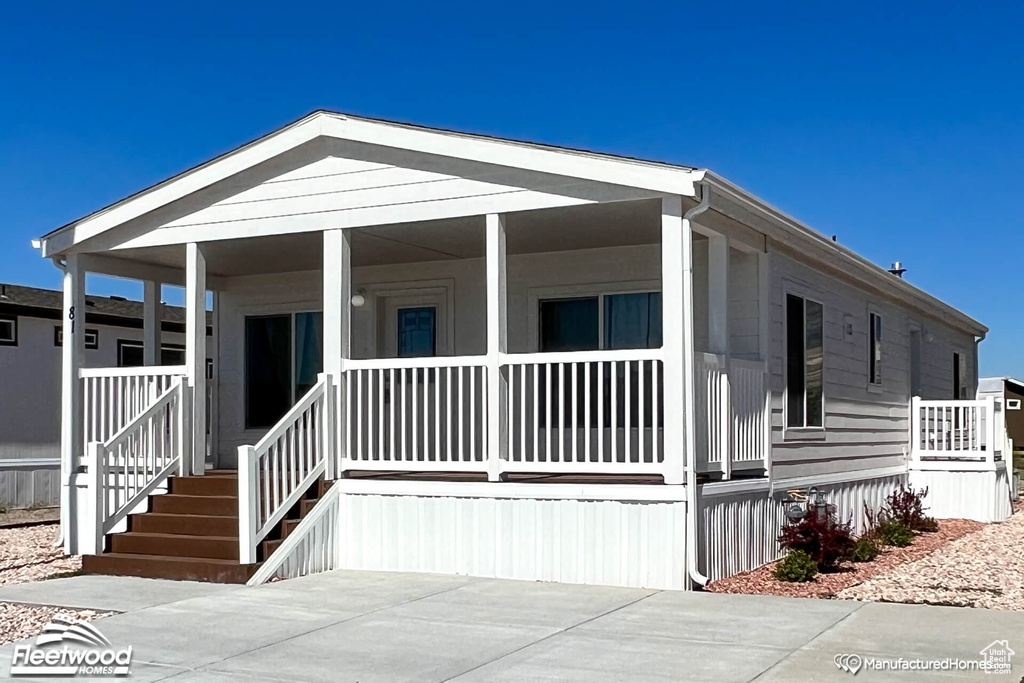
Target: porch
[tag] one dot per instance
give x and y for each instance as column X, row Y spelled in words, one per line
column 536, row 358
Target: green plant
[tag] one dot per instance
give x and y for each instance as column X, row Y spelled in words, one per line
column 929, row 525
column 864, row 549
column 797, row 566
column 821, row 536
column 905, row 505
column 894, row 533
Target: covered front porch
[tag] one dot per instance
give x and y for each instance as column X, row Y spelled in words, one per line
column 563, row 340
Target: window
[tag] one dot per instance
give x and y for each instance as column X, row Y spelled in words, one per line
column 283, row 355
column 92, row 338
column 130, row 354
column 8, row 331
column 417, row 332
column 1013, row 404
column 875, row 350
column 607, row 321
column 804, row 363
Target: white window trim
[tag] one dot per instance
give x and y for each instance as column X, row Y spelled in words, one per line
column 600, row 290
column 12, row 321
column 377, row 295
column 1013, row 404
column 872, row 386
column 805, row 433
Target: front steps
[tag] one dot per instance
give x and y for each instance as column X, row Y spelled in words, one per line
column 191, row 533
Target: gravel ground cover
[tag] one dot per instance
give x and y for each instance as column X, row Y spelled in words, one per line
column 27, row 516
column 984, row 569
column 28, row 554
column 761, row 582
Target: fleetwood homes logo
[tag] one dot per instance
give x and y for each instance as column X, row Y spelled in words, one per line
column 70, row 647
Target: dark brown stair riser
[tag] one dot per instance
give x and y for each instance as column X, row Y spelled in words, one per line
column 306, row 505
column 190, row 525
column 205, row 486
column 267, row 548
column 195, row 505
column 288, row 526
column 157, row 567
column 173, row 545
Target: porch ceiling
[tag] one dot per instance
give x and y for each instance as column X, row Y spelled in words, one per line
column 562, row 229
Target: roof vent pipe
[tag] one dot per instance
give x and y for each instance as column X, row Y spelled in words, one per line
column 897, row 269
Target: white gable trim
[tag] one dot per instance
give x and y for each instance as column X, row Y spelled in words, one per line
column 660, row 178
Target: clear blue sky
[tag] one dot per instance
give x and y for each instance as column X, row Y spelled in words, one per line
column 899, row 127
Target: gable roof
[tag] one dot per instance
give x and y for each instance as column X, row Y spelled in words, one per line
column 655, row 176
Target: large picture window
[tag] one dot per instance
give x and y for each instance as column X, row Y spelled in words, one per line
column 875, row 350
column 283, row 355
column 805, row 406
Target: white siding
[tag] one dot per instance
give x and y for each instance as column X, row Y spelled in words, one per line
column 326, row 185
column 744, row 341
column 981, row 496
column 864, row 427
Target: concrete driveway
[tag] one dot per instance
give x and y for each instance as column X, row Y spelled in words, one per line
column 364, row 626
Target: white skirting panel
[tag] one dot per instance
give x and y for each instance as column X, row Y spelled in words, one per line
column 981, row 496
column 597, row 542
column 740, row 522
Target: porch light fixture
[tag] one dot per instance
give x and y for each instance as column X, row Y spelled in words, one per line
column 359, row 298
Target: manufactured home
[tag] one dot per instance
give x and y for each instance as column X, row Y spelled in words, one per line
column 31, row 337
column 454, row 353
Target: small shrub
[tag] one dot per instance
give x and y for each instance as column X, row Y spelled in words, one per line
column 821, row 536
column 895, row 533
column 796, row 567
column 905, row 505
column 865, row 549
column 929, row 525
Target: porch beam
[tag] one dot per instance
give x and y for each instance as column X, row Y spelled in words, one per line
column 195, row 349
column 152, row 315
column 677, row 337
column 337, row 300
column 497, row 344
column 71, row 433
column 135, row 270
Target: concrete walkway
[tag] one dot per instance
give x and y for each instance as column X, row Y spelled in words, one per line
column 364, row 626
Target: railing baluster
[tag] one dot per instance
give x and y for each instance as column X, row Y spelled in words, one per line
column 600, row 411
column 437, row 414
column 536, row 414
column 462, row 412
column 448, row 414
column 641, row 420
column 415, row 412
column 613, row 375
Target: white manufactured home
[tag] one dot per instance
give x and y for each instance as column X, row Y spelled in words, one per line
column 31, row 337
column 452, row 353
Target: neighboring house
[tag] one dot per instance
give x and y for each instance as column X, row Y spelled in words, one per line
column 510, row 359
column 31, row 336
column 1010, row 392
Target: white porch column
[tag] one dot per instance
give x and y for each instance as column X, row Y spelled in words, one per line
column 677, row 337
column 195, row 349
column 337, row 283
column 718, row 337
column 497, row 344
column 152, row 318
column 71, row 416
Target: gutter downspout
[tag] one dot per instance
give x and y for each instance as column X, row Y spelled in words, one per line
column 65, row 468
column 690, row 392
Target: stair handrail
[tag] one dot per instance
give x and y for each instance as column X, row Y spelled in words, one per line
column 107, row 481
column 272, row 478
column 312, row 547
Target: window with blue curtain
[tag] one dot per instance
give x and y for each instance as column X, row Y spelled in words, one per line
column 309, row 351
column 417, row 332
column 632, row 321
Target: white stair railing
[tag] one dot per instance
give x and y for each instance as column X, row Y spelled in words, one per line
column 312, row 547
column 955, row 430
column 113, row 397
column 275, row 473
column 125, row 469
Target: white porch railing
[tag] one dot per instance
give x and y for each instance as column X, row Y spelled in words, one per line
column 311, row 548
column 275, row 473
column 961, row 431
column 415, row 414
column 732, row 413
column 126, row 468
column 114, row 397
column 589, row 411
